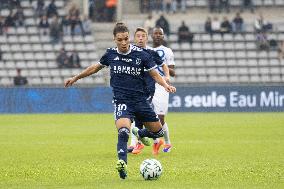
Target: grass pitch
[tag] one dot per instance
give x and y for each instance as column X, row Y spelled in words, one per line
column 213, row 150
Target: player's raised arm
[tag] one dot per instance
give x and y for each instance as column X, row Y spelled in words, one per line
column 85, row 73
column 161, row 81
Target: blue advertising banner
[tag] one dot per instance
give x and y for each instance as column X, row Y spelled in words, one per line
column 55, row 100
column 187, row 99
column 228, row 99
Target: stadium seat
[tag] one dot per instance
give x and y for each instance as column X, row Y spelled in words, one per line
column 35, row 81
column 6, row 81
column 26, row 47
column 57, row 80
column 12, row 39
column 15, row 48
column 37, row 47
column 18, row 56
column 47, row 47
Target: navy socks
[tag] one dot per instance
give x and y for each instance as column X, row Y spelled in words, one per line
column 146, row 133
column 123, row 135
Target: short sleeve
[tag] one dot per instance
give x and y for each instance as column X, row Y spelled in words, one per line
column 104, row 59
column 170, row 57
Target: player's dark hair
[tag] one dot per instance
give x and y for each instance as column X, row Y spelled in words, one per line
column 158, row 28
column 120, row 28
column 140, row 29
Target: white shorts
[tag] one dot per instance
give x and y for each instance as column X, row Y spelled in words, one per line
column 160, row 100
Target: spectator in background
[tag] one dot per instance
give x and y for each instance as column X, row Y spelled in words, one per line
column 262, row 41
column 40, row 9
column 20, row 80
column 92, row 6
column 144, row 6
column 184, row 34
column 1, row 25
column 65, row 25
column 149, row 24
column 224, row 4
column 15, row 4
column 168, row 6
column 111, row 9
column 87, row 25
column 78, row 30
column 156, row 5
column 180, row 5
column 261, row 25
column 226, row 26
column 238, row 24
column 43, row 25
column 208, row 26
column 55, row 30
column 212, row 5
column 247, row 4
column 51, row 9
column 76, row 26
column 62, row 59
column 281, row 51
column 164, row 24
column 19, row 17
column 9, row 21
column 74, row 60
column 216, row 25
column 74, row 10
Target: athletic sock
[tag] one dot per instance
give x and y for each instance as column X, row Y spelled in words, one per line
column 133, row 137
column 123, row 136
column 156, row 141
column 146, row 133
column 166, row 133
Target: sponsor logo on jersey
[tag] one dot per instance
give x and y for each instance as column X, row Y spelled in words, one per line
column 127, row 70
column 116, row 58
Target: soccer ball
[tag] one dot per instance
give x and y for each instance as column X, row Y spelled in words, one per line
column 151, row 169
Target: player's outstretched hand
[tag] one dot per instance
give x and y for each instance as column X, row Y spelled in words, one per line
column 171, row 89
column 69, row 82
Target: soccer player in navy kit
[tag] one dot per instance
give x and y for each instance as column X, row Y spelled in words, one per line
column 141, row 39
column 127, row 64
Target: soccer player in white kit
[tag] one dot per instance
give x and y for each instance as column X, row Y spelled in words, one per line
column 161, row 96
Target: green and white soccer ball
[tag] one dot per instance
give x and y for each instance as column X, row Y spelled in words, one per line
column 151, row 169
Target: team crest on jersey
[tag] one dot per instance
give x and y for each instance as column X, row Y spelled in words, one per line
column 138, row 61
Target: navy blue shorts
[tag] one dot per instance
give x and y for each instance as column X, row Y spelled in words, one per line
column 141, row 110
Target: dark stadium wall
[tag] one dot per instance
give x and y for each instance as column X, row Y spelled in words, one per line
column 99, row 99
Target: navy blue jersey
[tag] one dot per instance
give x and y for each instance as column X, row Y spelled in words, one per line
column 127, row 72
column 150, row 82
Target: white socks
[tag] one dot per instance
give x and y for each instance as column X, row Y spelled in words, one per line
column 166, row 133
column 133, row 137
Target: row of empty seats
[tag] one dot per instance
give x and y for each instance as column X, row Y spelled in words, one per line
column 36, row 38
column 44, row 56
column 204, row 3
column 244, row 37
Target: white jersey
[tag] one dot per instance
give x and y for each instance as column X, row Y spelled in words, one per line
column 167, row 56
column 161, row 96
